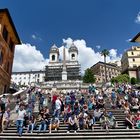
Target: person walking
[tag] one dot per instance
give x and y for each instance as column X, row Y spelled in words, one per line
column 20, row 119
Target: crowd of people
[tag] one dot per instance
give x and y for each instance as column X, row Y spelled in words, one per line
column 78, row 110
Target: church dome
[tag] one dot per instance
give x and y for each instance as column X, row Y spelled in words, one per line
column 73, row 48
column 54, row 49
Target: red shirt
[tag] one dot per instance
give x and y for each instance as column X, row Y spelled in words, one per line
column 54, row 98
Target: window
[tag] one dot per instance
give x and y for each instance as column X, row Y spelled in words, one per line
column 73, row 56
column 5, row 34
column 11, row 45
column 133, row 60
column 53, row 57
column 1, row 57
column 132, row 53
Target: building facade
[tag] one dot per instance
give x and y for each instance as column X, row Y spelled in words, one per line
column 99, row 71
column 28, row 77
column 8, row 39
column 137, row 40
column 58, row 70
column 131, row 61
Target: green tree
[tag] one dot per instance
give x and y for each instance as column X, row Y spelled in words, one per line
column 105, row 53
column 133, row 80
column 122, row 78
column 89, row 76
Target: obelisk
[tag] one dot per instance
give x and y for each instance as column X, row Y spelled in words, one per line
column 64, row 72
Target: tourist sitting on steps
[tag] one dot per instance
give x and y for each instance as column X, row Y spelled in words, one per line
column 81, row 121
column 44, row 123
column 31, row 124
column 129, row 121
column 91, row 122
column 111, row 121
column 137, row 120
column 54, row 124
column 6, row 119
column 104, row 122
column 72, row 123
column 97, row 114
column 126, row 107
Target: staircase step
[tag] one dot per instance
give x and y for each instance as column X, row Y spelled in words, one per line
column 76, row 136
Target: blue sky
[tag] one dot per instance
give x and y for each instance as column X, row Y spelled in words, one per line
column 105, row 23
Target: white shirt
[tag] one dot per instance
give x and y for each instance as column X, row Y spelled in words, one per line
column 21, row 114
column 57, row 104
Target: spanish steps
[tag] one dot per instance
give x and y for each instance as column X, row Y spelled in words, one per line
column 119, row 133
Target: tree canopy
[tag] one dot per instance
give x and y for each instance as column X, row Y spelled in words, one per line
column 133, row 80
column 122, row 78
column 89, row 76
column 105, row 52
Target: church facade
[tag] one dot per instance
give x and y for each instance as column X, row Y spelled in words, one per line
column 61, row 70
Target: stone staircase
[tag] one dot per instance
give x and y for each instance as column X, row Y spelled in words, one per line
column 119, row 133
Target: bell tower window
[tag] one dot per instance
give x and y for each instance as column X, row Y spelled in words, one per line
column 53, row 57
column 73, row 56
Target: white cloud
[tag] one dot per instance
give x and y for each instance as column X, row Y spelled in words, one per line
column 88, row 56
column 67, row 41
column 137, row 20
column 98, row 46
column 36, row 37
column 128, row 40
column 28, row 58
column 113, row 53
